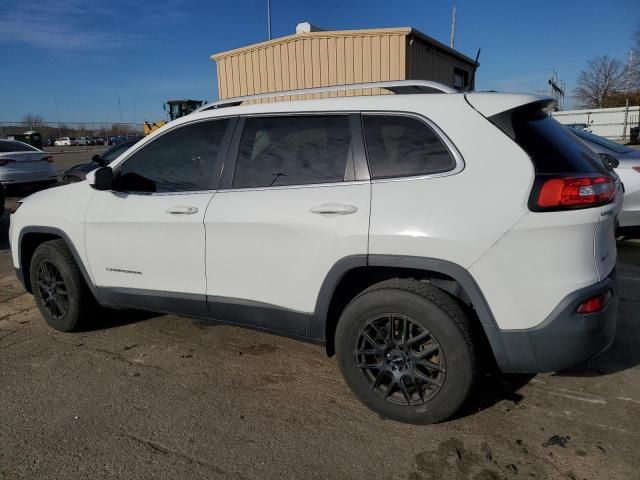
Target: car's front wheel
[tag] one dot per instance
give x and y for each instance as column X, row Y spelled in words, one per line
column 61, row 294
column 406, row 351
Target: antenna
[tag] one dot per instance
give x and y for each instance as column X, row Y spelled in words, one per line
column 557, row 88
column 452, row 41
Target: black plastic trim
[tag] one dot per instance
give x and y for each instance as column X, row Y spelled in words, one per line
column 156, row 301
column 257, row 314
column 58, row 233
column 358, row 148
column 318, row 320
column 565, row 337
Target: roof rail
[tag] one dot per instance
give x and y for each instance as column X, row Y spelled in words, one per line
column 395, row 86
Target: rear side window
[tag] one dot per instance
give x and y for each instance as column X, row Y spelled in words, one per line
column 552, row 148
column 179, row 161
column 299, row 150
column 399, row 146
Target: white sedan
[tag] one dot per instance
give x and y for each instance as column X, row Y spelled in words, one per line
column 21, row 163
column 63, row 142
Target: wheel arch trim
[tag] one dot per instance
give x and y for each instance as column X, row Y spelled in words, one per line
column 69, row 244
column 318, row 322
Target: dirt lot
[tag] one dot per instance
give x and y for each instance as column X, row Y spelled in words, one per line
column 144, row 396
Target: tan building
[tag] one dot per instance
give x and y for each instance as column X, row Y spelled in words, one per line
column 322, row 58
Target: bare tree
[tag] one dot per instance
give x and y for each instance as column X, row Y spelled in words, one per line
column 603, row 78
column 33, row 120
column 634, row 67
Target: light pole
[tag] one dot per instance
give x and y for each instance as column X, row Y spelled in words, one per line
column 269, row 18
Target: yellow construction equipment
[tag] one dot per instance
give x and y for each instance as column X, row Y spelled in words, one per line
column 175, row 109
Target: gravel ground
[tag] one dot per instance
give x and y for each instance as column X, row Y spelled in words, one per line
column 145, row 396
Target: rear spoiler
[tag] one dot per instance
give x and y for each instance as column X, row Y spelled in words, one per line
column 492, row 103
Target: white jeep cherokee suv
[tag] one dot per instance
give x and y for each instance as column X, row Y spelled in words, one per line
column 404, row 232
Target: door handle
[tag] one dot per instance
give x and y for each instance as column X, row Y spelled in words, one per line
column 334, row 209
column 182, row 210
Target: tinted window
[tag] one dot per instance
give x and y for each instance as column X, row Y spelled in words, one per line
column 13, row 146
column 400, row 146
column 110, row 155
column 276, row 151
column 181, row 160
column 552, row 147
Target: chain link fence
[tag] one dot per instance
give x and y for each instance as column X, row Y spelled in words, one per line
column 54, row 130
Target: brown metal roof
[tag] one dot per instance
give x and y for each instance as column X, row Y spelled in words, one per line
column 406, row 31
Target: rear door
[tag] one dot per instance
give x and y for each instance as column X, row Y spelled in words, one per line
column 295, row 200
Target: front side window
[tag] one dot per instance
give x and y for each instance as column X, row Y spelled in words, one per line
column 115, row 152
column 399, row 146
column 182, row 160
column 298, row 150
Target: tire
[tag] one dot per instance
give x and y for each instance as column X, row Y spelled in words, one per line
column 386, row 372
column 53, row 257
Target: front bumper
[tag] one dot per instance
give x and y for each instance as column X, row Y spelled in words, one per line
column 564, row 339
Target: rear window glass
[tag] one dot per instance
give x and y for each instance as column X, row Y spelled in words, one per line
column 552, row 148
column 399, row 146
column 7, row 146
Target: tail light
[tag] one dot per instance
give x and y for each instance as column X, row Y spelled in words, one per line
column 594, row 304
column 559, row 193
column 48, row 158
column 5, row 161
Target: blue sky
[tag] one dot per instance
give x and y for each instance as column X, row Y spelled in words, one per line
column 88, row 54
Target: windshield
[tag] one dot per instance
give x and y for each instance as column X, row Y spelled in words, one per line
column 603, row 142
column 13, row 146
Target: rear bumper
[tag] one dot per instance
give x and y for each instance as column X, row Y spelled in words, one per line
column 564, row 339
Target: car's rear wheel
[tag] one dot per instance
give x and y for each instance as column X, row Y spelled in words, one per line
column 61, row 294
column 406, row 351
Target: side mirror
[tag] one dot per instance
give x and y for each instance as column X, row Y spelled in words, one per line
column 101, row 179
column 96, row 158
column 609, row 160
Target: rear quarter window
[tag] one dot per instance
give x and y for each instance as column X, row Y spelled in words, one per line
column 403, row 146
column 552, row 148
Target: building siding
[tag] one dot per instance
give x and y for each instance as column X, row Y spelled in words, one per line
column 319, row 59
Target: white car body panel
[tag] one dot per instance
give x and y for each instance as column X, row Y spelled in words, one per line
column 630, row 214
column 60, row 208
column 164, row 251
column 266, row 245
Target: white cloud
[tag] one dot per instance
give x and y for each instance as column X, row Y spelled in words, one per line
column 63, row 25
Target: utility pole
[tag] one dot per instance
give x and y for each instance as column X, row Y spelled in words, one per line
column 626, row 107
column 55, row 100
column 269, row 18
column 452, row 41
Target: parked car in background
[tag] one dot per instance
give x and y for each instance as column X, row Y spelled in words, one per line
column 64, row 142
column 579, row 126
column 21, row 163
column 407, row 233
column 79, row 172
column 627, row 167
column 98, row 140
column 80, row 141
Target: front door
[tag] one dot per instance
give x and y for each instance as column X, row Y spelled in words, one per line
column 145, row 239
